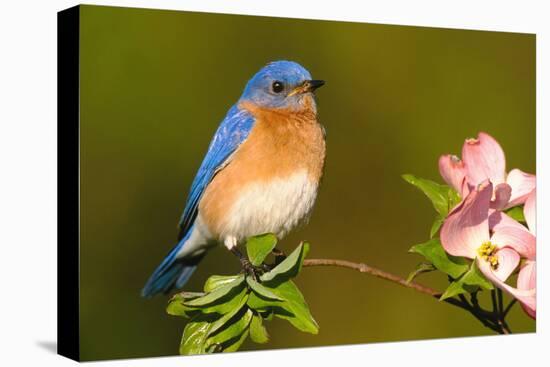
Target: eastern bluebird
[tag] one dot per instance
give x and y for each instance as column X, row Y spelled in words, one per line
column 260, row 175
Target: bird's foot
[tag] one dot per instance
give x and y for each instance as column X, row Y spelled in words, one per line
column 248, row 268
column 251, row 270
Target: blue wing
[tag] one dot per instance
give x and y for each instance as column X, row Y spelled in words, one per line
column 174, row 271
column 233, row 130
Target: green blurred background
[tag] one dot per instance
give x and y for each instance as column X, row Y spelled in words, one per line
column 154, row 86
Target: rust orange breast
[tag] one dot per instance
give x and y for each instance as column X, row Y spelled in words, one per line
column 281, row 143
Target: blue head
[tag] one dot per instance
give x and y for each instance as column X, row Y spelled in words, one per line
column 281, row 85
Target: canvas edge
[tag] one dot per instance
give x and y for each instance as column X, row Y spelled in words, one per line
column 68, row 186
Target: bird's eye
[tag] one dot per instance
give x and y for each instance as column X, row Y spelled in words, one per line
column 277, row 86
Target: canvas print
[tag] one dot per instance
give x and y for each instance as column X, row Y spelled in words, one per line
column 240, row 183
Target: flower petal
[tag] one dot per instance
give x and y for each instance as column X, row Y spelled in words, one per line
column 467, row 226
column 527, row 279
column 498, row 218
column 527, row 297
column 522, row 184
column 484, row 159
column 530, row 211
column 508, row 260
column 452, row 170
column 502, row 196
column 509, row 233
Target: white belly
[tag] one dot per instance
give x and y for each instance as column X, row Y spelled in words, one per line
column 275, row 207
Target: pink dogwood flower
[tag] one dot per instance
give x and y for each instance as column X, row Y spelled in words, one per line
column 527, row 277
column 482, row 159
column 493, row 240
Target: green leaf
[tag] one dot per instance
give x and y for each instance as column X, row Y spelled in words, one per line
column 216, row 281
column 194, row 336
column 214, row 348
column 516, row 213
column 289, row 267
column 267, row 314
column 261, row 290
column 227, row 316
column 468, row 283
column 202, row 326
column 434, row 253
column 232, row 331
column 454, row 198
column 176, row 306
column 258, row 333
column 258, row 247
column 230, row 310
column 229, row 304
column 237, row 344
column 420, row 268
column 443, row 197
column 294, row 307
column 260, row 304
column 438, row 222
column 217, row 294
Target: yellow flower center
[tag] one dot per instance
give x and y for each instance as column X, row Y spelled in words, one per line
column 487, row 251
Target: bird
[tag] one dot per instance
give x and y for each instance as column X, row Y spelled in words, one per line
column 261, row 173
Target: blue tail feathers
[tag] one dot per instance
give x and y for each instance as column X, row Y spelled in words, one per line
column 172, row 272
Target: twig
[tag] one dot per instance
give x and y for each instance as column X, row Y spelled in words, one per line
column 501, row 318
column 494, row 301
column 483, row 316
column 364, row 268
column 500, row 302
column 492, row 320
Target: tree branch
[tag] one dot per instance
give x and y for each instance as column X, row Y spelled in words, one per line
column 364, row 268
column 490, row 320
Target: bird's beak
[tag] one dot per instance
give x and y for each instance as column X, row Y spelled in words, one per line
column 307, row 86
column 311, row 85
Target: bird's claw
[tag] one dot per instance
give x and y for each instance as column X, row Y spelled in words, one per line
column 251, row 270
